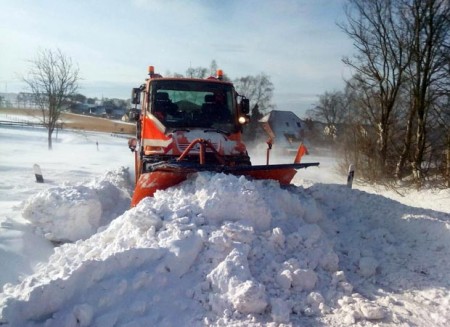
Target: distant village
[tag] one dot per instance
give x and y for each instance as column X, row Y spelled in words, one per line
column 79, row 104
column 112, row 109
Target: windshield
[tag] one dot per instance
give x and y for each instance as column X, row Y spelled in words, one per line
column 193, row 104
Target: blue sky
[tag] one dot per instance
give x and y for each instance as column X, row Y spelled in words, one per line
column 296, row 42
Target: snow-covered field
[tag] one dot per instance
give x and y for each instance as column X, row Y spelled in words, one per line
column 216, row 250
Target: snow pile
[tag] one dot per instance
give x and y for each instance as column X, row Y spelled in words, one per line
column 220, row 250
column 223, row 251
column 73, row 212
column 216, row 250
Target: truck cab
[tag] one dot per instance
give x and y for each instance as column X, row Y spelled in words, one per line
column 176, row 111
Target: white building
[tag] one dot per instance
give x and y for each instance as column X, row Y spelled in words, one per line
column 285, row 129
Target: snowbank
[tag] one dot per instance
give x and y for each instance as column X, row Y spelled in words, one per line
column 223, row 251
column 73, row 212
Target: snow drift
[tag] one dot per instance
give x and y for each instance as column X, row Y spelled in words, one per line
column 73, row 212
column 220, row 250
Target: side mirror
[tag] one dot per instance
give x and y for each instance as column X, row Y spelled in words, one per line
column 245, row 106
column 134, row 115
column 136, row 95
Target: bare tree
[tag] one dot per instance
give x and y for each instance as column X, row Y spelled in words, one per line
column 402, row 80
column 52, row 79
column 441, row 117
column 213, row 67
column 331, row 109
column 258, row 89
column 380, row 63
column 197, row 72
column 430, row 22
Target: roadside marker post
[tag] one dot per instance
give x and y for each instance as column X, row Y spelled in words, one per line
column 351, row 174
column 38, row 173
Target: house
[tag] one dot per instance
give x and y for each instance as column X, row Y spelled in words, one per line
column 116, row 113
column 97, row 110
column 284, row 128
column 79, row 108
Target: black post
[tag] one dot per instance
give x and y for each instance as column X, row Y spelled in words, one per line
column 38, row 173
column 351, row 174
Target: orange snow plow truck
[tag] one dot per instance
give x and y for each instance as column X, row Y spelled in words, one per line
column 188, row 125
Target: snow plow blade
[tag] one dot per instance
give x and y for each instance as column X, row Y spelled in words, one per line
column 167, row 174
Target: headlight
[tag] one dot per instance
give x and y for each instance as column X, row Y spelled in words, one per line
column 242, row 120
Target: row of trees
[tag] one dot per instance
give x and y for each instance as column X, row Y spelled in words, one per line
column 395, row 110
